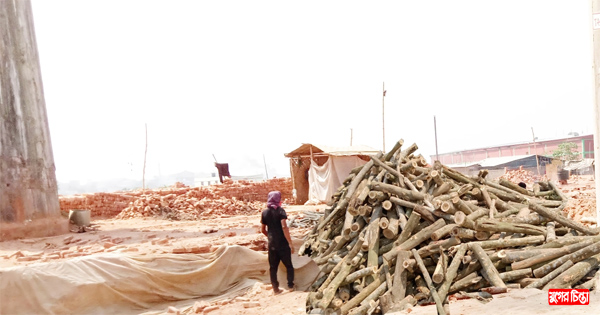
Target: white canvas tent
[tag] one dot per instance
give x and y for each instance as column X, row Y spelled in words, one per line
column 318, row 170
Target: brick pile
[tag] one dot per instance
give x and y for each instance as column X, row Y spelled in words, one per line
column 521, row 175
column 180, row 202
column 582, row 198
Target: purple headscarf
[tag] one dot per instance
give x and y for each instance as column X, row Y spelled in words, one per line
column 274, row 200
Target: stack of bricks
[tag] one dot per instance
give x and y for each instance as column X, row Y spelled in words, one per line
column 100, row 204
column 182, row 203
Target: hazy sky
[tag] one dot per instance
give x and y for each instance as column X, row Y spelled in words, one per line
column 240, row 79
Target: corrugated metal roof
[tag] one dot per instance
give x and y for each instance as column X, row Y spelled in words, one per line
column 305, row 149
column 510, row 144
column 493, row 161
column 576, row 165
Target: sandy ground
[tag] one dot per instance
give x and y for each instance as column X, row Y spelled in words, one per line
column 150, row 236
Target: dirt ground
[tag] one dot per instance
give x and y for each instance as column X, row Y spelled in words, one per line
column 149, row 236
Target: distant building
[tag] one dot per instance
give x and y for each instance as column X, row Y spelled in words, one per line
column 585, row 145
column 497, row 165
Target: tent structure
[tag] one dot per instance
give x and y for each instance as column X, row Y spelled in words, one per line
column 318, row 170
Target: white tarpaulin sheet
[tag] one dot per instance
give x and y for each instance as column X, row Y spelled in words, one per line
column 119, row 284
column 324, row 180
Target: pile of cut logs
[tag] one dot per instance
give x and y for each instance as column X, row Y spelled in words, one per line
column 400, row 232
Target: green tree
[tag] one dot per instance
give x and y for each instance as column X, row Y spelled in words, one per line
column 566, row 151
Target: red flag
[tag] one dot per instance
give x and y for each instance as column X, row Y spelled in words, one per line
column 384, row 92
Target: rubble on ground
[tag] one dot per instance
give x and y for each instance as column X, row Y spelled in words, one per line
column 400, row 232
column 180, row 202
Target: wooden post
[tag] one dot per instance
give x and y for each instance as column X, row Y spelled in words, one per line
column 145, row 153
column 596, row 78
column 383, row 116
column 438, row 302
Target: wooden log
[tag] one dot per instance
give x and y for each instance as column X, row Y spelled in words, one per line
column 495, row 290
column 329, row 292
column 359, row 274
column 365, row 210
column 463, row 220
column 441, row 233
column 383, row 223
column 440, row 269
column 362, row 196
column 344, row 293
column 387, row 205
column 434, row 294
column 514, row 256
column 358, row 225
column 461, row 205
column 373, row 249
column 389, row 304
column 348, row 220
column 533, row 219
column 458, row 176
column 482, row 235
column 486, row 196
column 408, row 151
column 559, row 192
column 490, row 225
column 512, row 186
column 475, row 215
column 401, row 217
column 452, row 271
column 503, row 243
column 564, row 241
column 421, row 210
column 465, row 282
column 562, row 220
column 572, row 275
column 414, row 240
column 510, row 276
column 376, row 197
column 463, row 234
column 435, row 176
column 364, row 293
column 375, row 294
column 448, row 207
column 411, row 224
column 550, row 232
column 467, row 259
column 539, row 283
column 400, row 192
column 388, row 156
column 549, row 255
column 442, row 189
column 398, row 289
column 489, row 272
column 575, row 257
column 351, row 254
column 391, row 231
column 590, row 284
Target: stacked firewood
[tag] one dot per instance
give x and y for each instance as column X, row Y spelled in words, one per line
column 400, row 232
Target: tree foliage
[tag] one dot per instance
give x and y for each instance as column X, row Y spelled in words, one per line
column 566, row 151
